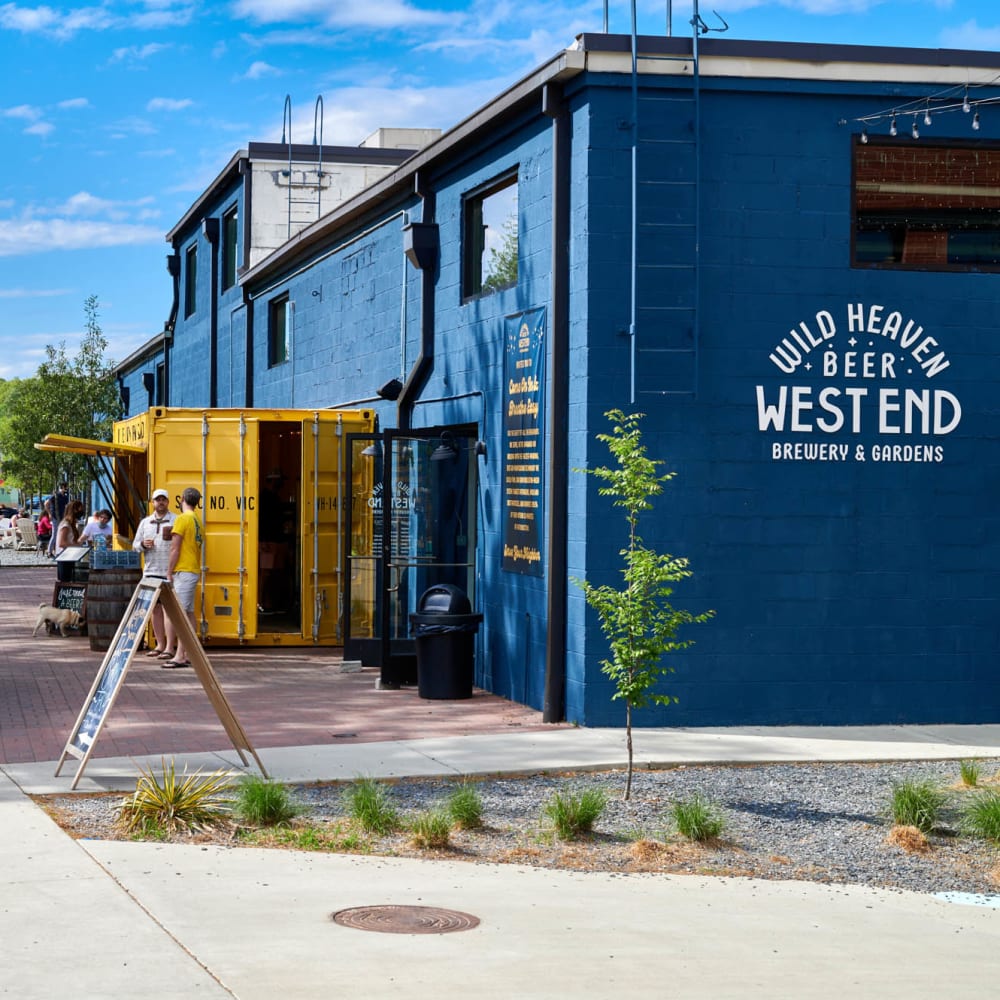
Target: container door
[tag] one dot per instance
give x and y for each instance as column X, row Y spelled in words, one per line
column 363, row 558
column 228, row 464
column 322, row 528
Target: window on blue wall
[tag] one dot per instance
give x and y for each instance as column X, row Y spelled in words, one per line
column 490, row 237
column 278, row 331
column 230, row 234
column 190, row 279
column 929, row 206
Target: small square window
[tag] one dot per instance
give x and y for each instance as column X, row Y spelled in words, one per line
column 278, row 331
column 490, row 238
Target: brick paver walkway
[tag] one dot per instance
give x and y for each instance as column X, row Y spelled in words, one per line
column 282, row 697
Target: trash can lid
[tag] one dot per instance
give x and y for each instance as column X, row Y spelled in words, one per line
column 445, row 599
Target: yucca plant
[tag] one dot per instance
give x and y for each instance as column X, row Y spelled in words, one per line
column 981, row 816
column 465, row 807
column 697, row 819
column 917, row 803
column 368, row 802
column 188, row 801
column 572, row 815
column 431, row 828
column 263, row 802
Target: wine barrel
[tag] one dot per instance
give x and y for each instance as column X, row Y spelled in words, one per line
column 108, row 594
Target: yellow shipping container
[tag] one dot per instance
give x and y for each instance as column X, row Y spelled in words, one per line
column 275, row 500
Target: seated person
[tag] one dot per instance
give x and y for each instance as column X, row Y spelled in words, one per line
column 98, row 527
column 44, row 531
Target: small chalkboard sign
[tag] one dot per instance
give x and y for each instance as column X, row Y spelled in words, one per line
column 70, row 597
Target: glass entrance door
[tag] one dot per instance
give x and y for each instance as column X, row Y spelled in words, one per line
column 413, row 525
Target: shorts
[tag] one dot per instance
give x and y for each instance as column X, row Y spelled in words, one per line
column 184, row 585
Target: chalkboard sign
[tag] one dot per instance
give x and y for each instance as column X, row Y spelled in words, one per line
column 105, row 689
column 70, row 597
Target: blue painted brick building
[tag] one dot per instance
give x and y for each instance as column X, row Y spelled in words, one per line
column 803, row 305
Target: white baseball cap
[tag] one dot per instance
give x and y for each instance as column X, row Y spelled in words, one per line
column 160, row 493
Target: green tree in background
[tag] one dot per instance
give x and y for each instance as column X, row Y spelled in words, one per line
column 501, row 267
column 77, row 397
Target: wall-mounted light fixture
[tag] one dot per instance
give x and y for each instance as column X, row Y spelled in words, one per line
column 390, row 390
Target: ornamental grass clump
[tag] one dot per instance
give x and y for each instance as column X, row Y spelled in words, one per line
column 917, row 803
column 431, row 829
column 368, row 802
column 572, row 815
column 262, row 802
column 465, row 807
column 970, row 772
column 981, row 816
column 189, row 801
column 697, row 819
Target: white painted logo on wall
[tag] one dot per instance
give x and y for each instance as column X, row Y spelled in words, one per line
column 876, row 368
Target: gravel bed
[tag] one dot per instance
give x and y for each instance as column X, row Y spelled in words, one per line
column 815, row 822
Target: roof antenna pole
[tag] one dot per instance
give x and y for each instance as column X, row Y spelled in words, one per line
column 286, row 116
column 318, row 116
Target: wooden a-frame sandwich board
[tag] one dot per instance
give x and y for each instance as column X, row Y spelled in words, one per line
column 149, row 592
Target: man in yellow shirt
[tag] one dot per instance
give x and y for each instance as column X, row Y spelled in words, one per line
column 184, row 567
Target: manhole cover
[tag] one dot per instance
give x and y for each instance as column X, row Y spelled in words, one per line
column 405, row 919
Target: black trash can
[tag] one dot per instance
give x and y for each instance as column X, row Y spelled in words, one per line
column 444, row 631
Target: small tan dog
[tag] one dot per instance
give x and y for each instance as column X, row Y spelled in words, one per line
column 61, row 618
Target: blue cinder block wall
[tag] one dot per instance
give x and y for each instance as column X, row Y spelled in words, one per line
column 856, row 584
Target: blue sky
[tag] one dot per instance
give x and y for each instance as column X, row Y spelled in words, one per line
column 116, row 115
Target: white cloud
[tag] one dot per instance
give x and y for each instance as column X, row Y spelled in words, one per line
column 26, row 111
column 33, row 293
column 137, row 53
column 64, row 24
column 40, row 128
column 49, row 21
column 168, row 104
column 85, row 204
column 258, row 70
column 970, row 35
column 394, row 14
column 125, row 128
column 73, row 104
column 29, row 236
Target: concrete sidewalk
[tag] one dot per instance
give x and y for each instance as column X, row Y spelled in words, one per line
column 111, row 919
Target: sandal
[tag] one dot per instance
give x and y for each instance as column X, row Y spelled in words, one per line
column 154, row 652
column 174, row 664
column 164, row 655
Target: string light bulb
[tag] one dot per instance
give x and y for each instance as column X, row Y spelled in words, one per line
column 975, row 121
column 927, row 115
column 864, row 137
column 915, row 132
column 966, row 107
column 892, row 126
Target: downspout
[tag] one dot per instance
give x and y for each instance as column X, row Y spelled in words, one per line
column 421, row 246
column 210, row 227
column 553, row 708
column 248, row 359
column 174, row 270
column 635, row 227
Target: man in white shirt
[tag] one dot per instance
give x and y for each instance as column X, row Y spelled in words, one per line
column 153, row 540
